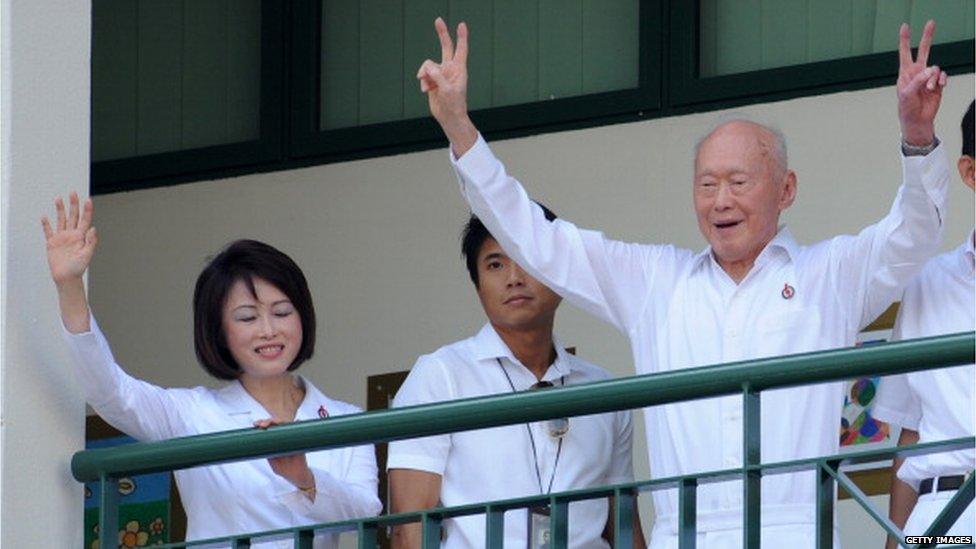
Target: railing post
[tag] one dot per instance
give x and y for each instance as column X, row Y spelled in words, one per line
column 241, row 543
column 108, row 512
column 431, row 527
column 367, row 535
column 687, row 513
column 495, row 527
column 623, row 521
column 559, row 523
column 825, row 505
column 304, row 539
column 751, row 457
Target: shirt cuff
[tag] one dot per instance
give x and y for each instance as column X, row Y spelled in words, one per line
column 477, row 164
column 930, row 171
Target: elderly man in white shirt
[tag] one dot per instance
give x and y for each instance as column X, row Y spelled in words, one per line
column 515, row 351
column 935, row 404
column 754, row 292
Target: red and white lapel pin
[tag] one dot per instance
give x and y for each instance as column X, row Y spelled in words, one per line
column 323, row 413
column 788, row 291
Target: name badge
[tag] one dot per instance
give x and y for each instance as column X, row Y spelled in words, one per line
column 540, row 533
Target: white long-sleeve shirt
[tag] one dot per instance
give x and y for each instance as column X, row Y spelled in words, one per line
column 680, row 310
column 232, row 498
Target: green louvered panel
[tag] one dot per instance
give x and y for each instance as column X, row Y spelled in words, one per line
column 747, row 35
column 171, row 75
column 522, row 51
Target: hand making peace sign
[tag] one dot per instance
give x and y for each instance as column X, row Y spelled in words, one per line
column 919, row 87
column 446, row 86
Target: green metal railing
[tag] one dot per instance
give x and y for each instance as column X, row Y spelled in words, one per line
column 748, row 378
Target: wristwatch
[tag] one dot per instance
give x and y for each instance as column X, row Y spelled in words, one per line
column 918, row 150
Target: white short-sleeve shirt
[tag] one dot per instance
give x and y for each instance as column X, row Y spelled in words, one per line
column 937, row 403
column 498, row 463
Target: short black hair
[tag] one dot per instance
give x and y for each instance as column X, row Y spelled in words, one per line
column 473, row 237
column 967, row 131
column 245, row 260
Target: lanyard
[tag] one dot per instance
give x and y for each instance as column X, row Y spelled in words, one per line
column 528, row 429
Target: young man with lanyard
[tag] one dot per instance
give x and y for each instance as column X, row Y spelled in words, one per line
column 935, row 404
column 515, row 351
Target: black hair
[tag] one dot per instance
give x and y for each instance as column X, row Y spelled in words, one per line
column 473, row 237
column 245, row 260
column 967, row 131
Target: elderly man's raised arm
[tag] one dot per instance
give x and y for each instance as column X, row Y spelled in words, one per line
column 876, row 264
column 607, row 278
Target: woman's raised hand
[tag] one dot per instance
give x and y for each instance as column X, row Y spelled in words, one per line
column 71, row 242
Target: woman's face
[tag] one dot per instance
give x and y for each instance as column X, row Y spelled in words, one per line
column 263, row 331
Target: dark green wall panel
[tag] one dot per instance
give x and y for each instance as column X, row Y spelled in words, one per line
column 515, row 67
column 560, row 48
column 380, row 61
column 243, row 84
column 339, row 95
column 610, row 45
column 204, row 73
column 159, row 77
column 113, row 79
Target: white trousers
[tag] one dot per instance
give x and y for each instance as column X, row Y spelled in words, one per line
column 928, row 508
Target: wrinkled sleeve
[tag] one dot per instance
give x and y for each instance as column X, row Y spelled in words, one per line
column 604, row 277
column 428, row 382
column 872, row 268
column 350, row 495
column 135, row 407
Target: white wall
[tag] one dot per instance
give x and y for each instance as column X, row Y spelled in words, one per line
column 378, row 239
column 45, row 127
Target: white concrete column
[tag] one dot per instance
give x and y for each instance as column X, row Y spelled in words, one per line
column 44, row 106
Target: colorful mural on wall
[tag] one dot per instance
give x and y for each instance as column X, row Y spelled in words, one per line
column 144, row 503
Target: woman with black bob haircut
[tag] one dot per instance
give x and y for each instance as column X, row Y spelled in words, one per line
column 254, row 324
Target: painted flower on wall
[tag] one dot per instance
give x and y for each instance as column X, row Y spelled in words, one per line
column 132, row 536
column 156, row 526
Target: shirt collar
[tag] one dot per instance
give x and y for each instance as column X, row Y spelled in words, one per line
column 783, row 242
column 237, row 401
column 488, row 345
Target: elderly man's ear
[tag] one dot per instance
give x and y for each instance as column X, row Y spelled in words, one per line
column 966, row 166
column 789, row 190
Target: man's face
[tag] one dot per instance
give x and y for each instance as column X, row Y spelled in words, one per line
column 511, row 298
column 739, row 191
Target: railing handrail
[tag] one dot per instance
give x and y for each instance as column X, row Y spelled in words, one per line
column 491, row 411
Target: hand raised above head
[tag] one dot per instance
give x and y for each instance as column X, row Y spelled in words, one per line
column 446, row 86
column 919, row 87
column 71, row 243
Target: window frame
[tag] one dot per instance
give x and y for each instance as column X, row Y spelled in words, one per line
column 668, row 85
column 167, row 168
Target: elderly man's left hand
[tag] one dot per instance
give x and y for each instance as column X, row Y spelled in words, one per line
column 919, row 88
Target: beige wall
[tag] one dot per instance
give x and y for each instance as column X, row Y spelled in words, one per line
column 378, row 239
column 45, row 127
